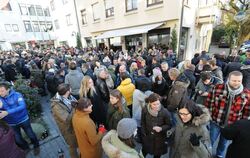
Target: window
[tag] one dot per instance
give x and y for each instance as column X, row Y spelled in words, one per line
column 83, row 15
column 23, row 9
column 68, row 19
column 49, row 26
column 31, row 9
column 15, row 27
column 36, row 27
column 52, row 5
column 8, row 27
column 109, row 8
column 64, row 1
column 96, row 11
column 154, row 2
column 46, row 12
column 27, row 25
column 42, row 26
column 205, row 3
column 39, row 10
column 131, row 5
column 57, row 24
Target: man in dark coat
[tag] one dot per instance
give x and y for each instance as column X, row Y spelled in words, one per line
column 189, row 73
column 9, row 71
column 101, row 85
column 232, row 66
column 143, row 82
column 245, row 69
column 239, row 134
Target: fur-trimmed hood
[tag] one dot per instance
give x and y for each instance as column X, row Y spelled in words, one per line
column 204, row 118
column 114, row 148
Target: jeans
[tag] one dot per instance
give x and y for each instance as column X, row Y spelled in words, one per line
column 214, row 134
column 26, row 126
column 173, row 118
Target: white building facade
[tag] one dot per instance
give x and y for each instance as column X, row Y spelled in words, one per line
column 138, row 24
column 64, row 17
column 25, row 23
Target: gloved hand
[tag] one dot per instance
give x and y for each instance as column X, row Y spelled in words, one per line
column 102, row 129
column 194, row 139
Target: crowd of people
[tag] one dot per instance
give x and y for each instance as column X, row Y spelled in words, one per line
column 111, row 101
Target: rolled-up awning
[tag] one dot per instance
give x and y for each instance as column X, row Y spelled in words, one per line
column 128, row 31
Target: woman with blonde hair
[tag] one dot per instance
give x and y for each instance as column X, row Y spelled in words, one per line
column 88, row 90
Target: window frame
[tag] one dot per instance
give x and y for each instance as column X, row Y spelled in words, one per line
column 57, row 26
column 36, row 26
column 23, row 6
column 68, row 19
column 13, row 26
column 126, row 5
column 84, row 16
column 155, row 3
column 38, row 7
column 52, row 5
column 34, row 9
column 93, row 11
column 46, row 12
column 49, row 24
column 109, row 10
column 25, row 24
column 42, row 26
column 8, row 27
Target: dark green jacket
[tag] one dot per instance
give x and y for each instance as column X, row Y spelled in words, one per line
column 114, row 116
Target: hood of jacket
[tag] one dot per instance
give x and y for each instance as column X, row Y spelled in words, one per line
column 115, row 148
column 126, row 81
column 204, row 118
column 74, row 72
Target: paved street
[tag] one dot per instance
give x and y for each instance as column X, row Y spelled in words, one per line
column 50, row 146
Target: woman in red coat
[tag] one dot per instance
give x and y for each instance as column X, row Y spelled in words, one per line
column 8, row 147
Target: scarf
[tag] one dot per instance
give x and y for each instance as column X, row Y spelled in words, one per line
column 233, row 92
column 151, row 112
column 66, row 101
column 231, row 95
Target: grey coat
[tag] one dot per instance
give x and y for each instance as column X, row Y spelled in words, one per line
column 203, row 88
column 139, row 104
column 182, row 147
column 74, row 78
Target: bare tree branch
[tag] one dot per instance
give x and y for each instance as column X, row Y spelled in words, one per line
column 243, row 2
column 234, row 6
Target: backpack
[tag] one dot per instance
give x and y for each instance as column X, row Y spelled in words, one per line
column 177, row 93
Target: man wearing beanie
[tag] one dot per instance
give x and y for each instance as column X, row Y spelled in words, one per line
column 227, row 104
column 119, row 143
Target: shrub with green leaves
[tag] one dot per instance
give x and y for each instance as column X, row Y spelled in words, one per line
column 30, row 95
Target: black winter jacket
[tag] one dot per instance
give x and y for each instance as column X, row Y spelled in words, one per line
column 246, row 75
column 240, row 135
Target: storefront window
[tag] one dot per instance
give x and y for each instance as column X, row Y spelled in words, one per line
column 159, row 37
column 133, row 42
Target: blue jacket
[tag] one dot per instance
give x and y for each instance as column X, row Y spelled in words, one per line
column 15, row 105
